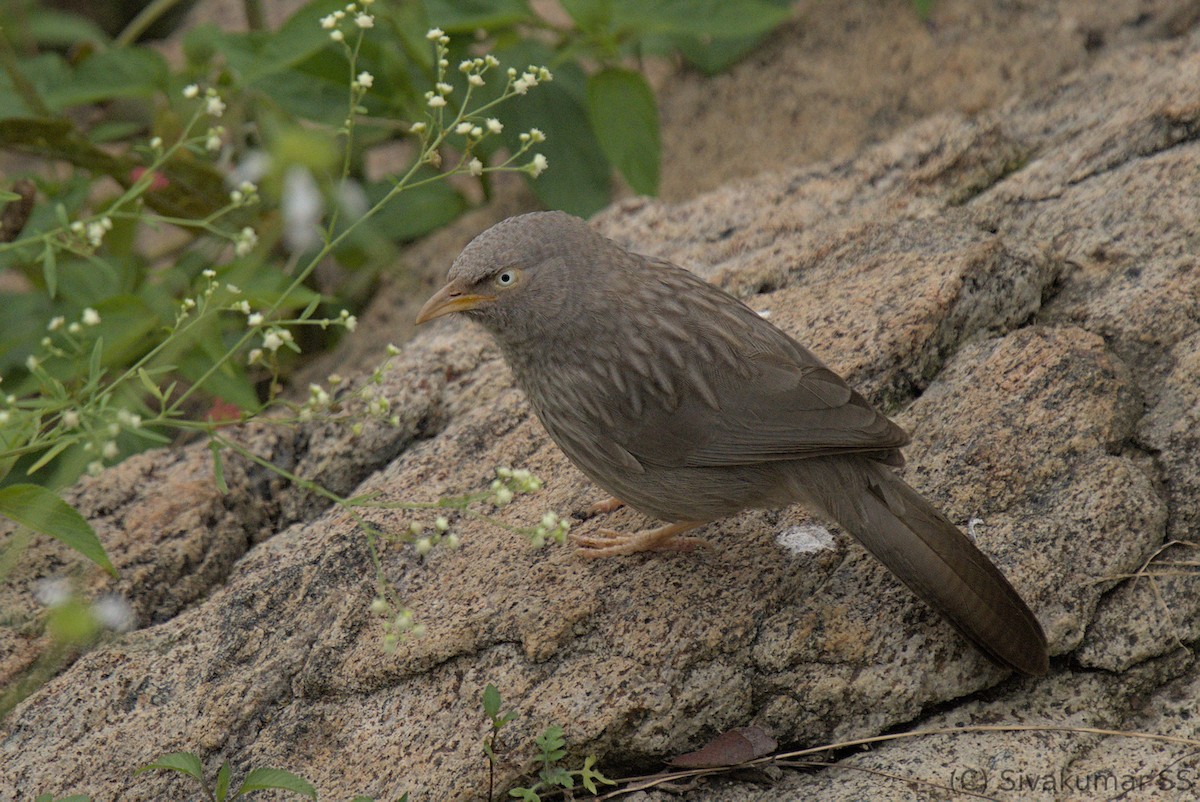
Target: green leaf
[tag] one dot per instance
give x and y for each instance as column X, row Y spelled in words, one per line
column 6, row 196
column 578, row 179
column 43, row 511
column 699, row 17
column 624, row 116
column 218, row 467
column 558, row 776
column 414, row 212
column 50, row 27
column 50, row 271
column 299, row 38
column 121, row 72
column 221, row 790
column 491, row 701
column 465, row 16
column 527, row 794
column 262, row 779
column 54, row 451
column 588, row 775
column 148, row 384
column 590, row 15
column 183, row 762
column 923, row 8
column 95, row 368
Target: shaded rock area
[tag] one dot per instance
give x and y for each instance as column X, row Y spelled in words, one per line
column 1018, row 287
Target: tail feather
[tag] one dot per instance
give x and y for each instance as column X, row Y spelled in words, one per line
column 931, row 556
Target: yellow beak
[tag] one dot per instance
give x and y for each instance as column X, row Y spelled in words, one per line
column 450, row 298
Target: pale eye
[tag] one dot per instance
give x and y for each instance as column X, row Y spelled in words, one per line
column 507, row 278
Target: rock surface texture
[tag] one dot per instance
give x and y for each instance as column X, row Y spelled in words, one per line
column 1020, row 288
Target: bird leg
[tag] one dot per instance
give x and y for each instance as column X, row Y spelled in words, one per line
column 607, row 543
column 611, row 504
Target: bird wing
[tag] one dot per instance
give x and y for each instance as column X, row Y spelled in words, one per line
column 742, row 392
column 784, row 411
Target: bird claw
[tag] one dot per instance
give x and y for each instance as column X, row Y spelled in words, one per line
column 609, row 543
column 606, row 506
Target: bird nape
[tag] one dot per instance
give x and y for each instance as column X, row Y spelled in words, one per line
column 688, row 406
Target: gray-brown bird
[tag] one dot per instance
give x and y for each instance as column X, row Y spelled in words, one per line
column 688, row 406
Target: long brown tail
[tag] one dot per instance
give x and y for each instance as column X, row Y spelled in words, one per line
column 929, row 554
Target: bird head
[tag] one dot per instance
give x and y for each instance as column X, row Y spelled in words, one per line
column 516, row 273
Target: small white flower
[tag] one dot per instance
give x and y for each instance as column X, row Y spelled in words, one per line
column 237, row 197
column 74, row 328
column 129, row 419
column 351, row 323
column 366, row 80
column 337, row 36
column 364, row 21
column 437, row 101
column 503, row 496
column 242, row 306
column 536, row 135
column 233, row 289
column 272, row 341
column 423, row 546
column 95, row 233
column 208, row 273
column 339, row 14
column 214, row 106
column 5, row 416
column 95, row 468
column 189, row 303
column 538, row 165
column 52, row 592
column 329, row 22
column 248, row 187
column 213, row 143
column 110, row 450
column 56, row 323
column 441, row 524
column 190, row 91
column 462, row 128
column 494, row 125
column 417, row 128
column 475, row 167
column 254, row 356
column 434, row 34
column 475, row 79
column 156, row 142
column 91, row 317
column 245, row 241
column 303, row 206
column 70, row 419
column 443, row 88
column 114, row 612
column 255, row 319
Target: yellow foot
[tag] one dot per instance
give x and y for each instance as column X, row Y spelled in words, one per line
column 607, row 543
column 602, row 507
